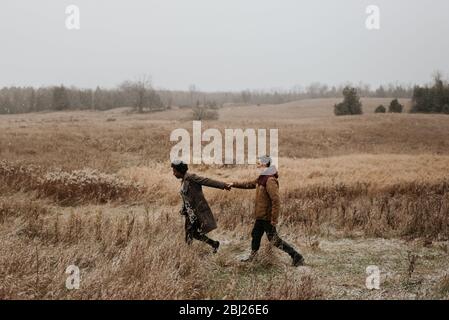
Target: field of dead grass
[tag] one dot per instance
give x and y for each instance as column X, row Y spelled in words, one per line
column 79, row 189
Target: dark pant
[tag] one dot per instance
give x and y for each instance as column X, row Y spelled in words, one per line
column 262, row 226
column 193, row 233
column 204, row 238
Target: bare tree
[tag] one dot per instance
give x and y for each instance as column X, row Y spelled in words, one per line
column 246, row 96
column 138, row 90
column 60, row 99
column 193, row 93
column 437, row 76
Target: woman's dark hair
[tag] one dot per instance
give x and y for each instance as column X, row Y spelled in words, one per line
column 180, row 166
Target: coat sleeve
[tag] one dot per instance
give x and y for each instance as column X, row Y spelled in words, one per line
column 273, row 193
column 252, row 184
column 207, row 182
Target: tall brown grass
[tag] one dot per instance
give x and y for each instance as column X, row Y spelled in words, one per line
column 101, row 195
column 74, row 187
column 124, row 257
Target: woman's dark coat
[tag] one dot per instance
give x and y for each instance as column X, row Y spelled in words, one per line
column 192, row 194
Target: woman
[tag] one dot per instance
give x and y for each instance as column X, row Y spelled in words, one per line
column 199, row 219
column 266, row 210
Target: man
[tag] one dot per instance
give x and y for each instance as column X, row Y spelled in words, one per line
column 266, row 209
column 199, row 219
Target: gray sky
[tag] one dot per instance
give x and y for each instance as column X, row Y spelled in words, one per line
column 222, row 45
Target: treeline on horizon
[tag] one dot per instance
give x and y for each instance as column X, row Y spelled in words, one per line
column 432, row 99
column 141, row 95
column 427, row 99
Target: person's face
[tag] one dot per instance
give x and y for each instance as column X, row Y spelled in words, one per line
column 260, row 165
column 177, row 174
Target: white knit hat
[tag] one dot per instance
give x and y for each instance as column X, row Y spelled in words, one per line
column 265, row 159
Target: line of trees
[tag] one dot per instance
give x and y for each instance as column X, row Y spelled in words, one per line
column 432, row 99
column 141, row 95
column 427, row 99
column 138, row 94
column 351, row 104
column 22, row 100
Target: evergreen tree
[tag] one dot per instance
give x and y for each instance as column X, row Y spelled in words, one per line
column 380, row 109
column 351, row 104
column 60, row 99
column 395, row 107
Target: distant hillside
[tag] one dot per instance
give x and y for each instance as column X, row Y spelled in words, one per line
column 309, row 108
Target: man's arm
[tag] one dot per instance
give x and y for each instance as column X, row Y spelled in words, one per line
column 273, row 193
column 208, row 182
column 252, row 184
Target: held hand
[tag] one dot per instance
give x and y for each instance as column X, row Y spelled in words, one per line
column 228, row 186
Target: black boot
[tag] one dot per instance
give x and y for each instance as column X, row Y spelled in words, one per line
column 298, row 260
column 215, row 246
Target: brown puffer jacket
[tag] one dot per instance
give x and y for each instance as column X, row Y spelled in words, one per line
column 267, row 203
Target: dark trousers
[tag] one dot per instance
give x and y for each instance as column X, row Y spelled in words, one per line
column 261, row 227
column 193, row 233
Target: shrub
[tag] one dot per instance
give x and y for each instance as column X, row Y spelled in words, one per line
column 87, row 186
column 395, row 107
column 18, row 177
column 69, row 187
column 351, row 103
column 202, row 113
column 380, row 109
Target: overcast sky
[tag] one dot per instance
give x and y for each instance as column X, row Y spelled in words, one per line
column 222, row 45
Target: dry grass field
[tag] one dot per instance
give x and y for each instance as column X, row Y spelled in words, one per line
column 95, row 189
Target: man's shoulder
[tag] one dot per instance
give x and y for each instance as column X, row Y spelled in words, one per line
column 192, row 177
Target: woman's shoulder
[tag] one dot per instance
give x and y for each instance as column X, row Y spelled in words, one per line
column 273, row 179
